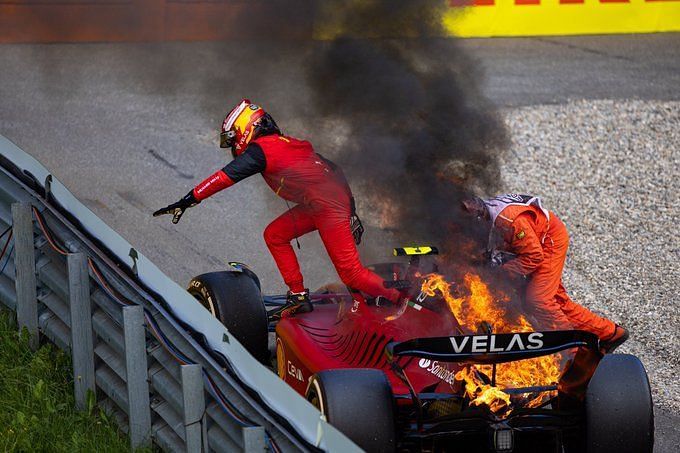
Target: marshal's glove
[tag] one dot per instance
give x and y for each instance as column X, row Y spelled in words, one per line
column 178, row 208
column 497, row 258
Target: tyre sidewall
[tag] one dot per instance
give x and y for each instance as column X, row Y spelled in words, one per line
column 358, row 402
column 235, row 300
column 205, row 296
column 618, row 407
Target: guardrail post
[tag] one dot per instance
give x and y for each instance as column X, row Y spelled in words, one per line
column 194, row 407
column 253, row 439
column 139, row 411
column 82, row 351
column 24, row 263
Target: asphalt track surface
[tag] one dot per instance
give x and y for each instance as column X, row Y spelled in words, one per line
column 132, row 127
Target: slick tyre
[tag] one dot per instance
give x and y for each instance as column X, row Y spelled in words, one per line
column 359, row 403
column 235, row 299
column 618, row 406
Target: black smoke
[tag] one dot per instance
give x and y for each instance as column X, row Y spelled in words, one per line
column 417, row 134
column 377, row 85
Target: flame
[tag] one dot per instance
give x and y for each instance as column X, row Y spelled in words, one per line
column 480, row 393
column 472, row 307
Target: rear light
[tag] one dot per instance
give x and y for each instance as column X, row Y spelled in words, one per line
column 503, row 440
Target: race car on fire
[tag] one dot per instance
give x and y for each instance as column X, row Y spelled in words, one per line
column 454, row 369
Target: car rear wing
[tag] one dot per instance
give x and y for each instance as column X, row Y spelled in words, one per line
column 492, row 348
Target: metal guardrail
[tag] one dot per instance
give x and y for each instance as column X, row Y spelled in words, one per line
column 163, row 379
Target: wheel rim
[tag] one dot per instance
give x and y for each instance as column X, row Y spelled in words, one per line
column 207, row 303
column 280, row 359
column 315, row 397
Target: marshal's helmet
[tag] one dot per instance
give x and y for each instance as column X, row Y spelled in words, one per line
column 475, row 206
column 244, row 123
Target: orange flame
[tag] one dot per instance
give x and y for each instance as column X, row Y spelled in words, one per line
column 477, row 306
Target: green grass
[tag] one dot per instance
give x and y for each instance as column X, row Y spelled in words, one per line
column 37, row 410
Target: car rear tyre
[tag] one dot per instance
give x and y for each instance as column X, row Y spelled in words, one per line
column 359, row 403
column 235, row 299
column 619, row 409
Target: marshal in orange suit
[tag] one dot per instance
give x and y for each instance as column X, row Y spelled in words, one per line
column 529, row 240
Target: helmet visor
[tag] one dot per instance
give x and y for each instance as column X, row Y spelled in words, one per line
column 227, row 139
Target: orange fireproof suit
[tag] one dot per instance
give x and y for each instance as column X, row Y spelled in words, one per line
column 540, row 242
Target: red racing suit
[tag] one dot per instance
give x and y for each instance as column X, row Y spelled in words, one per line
column 296, row 173
column 540, row 241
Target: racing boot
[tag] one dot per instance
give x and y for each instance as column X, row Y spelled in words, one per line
column 295, row 303
column 619, row 336
column 298, row 302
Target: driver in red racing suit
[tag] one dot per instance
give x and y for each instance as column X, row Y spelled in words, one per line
column 296, row 173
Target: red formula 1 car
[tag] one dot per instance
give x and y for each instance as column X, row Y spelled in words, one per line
column 387, row 375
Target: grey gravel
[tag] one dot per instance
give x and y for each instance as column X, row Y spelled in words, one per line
column 611, row 171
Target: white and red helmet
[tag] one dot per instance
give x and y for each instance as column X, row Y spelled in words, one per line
column 238, row 128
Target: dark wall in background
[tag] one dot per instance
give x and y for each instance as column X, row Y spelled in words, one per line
column 144, row 20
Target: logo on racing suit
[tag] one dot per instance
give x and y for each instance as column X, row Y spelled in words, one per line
column 514, row 197
column 355, row 306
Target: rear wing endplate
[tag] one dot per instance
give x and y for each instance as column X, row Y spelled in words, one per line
column 412, row 251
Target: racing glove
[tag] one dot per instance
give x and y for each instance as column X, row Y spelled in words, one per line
column 178, row 208
column 357, row 228
column 355, row 224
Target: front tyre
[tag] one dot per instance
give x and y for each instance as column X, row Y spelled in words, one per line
column 619, row 409
column 235, row 299
column 359, row 403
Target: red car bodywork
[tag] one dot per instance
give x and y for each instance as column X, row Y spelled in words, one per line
column 352, row 334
